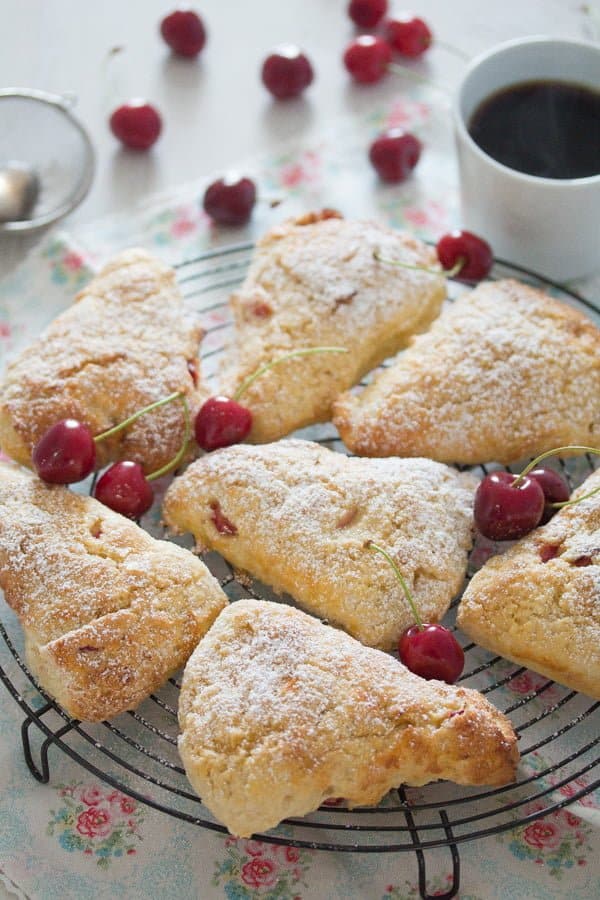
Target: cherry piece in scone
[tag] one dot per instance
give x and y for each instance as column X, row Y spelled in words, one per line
column 230, row 200
column 505, row 511
column 464, row 245
column 394, row 154
column 136, row 124
column 66, row 453
column 367, row 58
column 367, row 13
column 432, row 652
column 221, row 422
column 408, row 36
column 555, row 488
column 183, row 30
column 287, row 72
column 124, row 488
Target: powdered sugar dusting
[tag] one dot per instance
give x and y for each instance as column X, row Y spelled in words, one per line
column 123, row 344
column 315, row 282
column 543, row 609
column 505, row 372
column 313, row 714
column 287, row 500
column 108, row 611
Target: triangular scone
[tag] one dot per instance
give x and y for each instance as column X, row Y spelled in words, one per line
column 108, row 612
column 314, row 282
column 299, row 517
column 538, row 604
column 506, row 372
column 278, row 712
column 123, row 344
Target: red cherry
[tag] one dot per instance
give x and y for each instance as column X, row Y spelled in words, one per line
column 504, row 512
column 409, row 37
column 230, row 200
column 184, row 32
column 367, row 58
column 125, row 488
column 136, row 124
column 432, row 652
column 286, row 72
column 476, row 252
column 394, row 154
column 367, row 13
column 65, row 453
column 221, row 422
column 555, row 488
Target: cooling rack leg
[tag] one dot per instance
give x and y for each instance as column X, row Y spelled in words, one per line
column 42, row 772
column 455, row 884
column 454, row 887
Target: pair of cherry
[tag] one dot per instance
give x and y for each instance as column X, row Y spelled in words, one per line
column 507, row 507
column 66, row 453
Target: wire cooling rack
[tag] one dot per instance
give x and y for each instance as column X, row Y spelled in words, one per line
column 137, row 751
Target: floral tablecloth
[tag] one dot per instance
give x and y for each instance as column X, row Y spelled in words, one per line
column 77, row 836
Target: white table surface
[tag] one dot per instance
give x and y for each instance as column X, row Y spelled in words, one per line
column 216, row 111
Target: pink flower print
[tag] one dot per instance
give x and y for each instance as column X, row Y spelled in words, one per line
column 94, row 822
column 259, row 872
column 542, row 834
column 69, row 790
column 572, row 820
column 182, row 226
column 292, row 854
column 91, row 796
column 127, row 805
column 254, row 848
column 404, row 114
column 4, row 330
column 568, row 790
column 131, row 851
column 72, row 261
column 292, row 174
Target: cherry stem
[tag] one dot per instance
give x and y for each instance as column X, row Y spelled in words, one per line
column 141, row 412
column 576, row 500
column 409, row 598
column 449, row 273
column 460, row 54
column 182, row 450
column 274, row 362
column 410, row 73
column 569, row 448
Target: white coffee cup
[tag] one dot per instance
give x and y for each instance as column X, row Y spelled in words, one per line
column 546, row 224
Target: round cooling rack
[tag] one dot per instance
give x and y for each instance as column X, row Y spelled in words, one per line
column 137, row 752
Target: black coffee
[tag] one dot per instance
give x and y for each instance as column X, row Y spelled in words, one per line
column 545, row 128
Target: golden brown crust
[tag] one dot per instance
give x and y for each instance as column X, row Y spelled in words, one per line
column 506, row 372
column 279, row 712
column 314, row 282
column 123, row 344
column 539, row 603
column 303, row 515
column 108, row 611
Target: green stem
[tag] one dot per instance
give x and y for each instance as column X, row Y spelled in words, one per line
column 409, row 598
column 182, row 450
column 449, row 273
column 576, row 500
column 274, row 362
column 141, row 412
column 569, row 448
column 409, row 73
